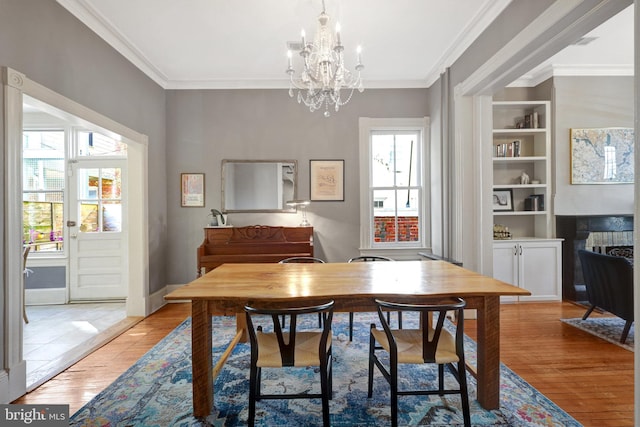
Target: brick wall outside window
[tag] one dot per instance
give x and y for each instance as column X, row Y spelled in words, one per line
column 385, row 229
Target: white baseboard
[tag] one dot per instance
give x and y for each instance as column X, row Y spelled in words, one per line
column 157, row 298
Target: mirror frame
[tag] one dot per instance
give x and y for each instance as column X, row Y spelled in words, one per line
column 283, row 210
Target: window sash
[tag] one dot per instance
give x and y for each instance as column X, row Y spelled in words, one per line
column 398, row 127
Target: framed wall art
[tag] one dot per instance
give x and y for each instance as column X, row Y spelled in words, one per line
column 502, row 200
column 192, row 190
column 326, row 180
column 602, row 156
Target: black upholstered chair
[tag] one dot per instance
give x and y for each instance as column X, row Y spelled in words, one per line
column 273, row 347
column 609, row 283
column 370, row 258
column 431, row 343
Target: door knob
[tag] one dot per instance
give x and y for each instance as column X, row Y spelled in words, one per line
column 71, row 223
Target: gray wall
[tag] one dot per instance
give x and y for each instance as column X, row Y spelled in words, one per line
column 589, row 102
column 42, row 40
column 206, row 126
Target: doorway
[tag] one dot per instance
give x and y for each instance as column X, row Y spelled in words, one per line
column 18, row 88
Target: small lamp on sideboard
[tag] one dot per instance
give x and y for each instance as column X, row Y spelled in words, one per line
column 302, row 205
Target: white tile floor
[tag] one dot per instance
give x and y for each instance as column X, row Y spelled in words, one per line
column 59, row 335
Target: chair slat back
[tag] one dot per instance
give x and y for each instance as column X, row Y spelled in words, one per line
column 301, row 259
column 370, row 258
column 431, row 331
column 287, row 340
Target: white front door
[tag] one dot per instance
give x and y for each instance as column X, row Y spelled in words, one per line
column 98, row 245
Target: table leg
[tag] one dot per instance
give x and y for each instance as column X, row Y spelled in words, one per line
column 201, row 359
column 488, row 377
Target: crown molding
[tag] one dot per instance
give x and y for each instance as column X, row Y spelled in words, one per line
column 282, row 84
column 566, row 70
column 105, row 30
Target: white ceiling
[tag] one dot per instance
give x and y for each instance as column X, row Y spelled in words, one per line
column 200, row 44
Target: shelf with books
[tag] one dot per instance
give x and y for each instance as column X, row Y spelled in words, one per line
column 521, row 167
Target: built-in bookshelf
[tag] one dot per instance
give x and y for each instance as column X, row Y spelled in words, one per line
column 521, row 168
column 524, row 252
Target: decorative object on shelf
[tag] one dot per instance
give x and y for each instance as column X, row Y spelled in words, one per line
column 501, row 232
column 326, row 180
column 503, row 200
column 217, row 218
column 524, row 178
column 535, row 202
column 529, row 121
column 324, row 74
column 602, row 156
column 302, row 205
column 192, row 190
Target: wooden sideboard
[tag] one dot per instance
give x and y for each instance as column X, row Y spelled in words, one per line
column 255, row 243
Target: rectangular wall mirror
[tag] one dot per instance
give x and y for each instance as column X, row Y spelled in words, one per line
column 258, row 185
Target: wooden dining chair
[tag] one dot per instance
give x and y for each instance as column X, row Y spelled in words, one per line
column 370, row 258
column 303, row 260
column 272, row 347
column 429, row 343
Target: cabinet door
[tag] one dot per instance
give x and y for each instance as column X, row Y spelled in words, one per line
column 505, row 266
column 540, row 270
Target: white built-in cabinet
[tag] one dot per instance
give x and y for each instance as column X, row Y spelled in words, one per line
column 529, row 258
column 534, row 265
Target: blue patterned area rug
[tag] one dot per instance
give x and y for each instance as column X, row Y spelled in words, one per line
column 156, row 390
column 607, row 328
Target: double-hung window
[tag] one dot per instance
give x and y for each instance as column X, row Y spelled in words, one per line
column 393, row 179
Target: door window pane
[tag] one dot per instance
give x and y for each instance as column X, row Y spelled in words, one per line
column 88, row 217
column 111, row 216
column 111, row 183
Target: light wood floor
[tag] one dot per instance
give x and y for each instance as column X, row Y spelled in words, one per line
column 588, row 377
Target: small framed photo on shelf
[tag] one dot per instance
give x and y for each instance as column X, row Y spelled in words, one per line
column 326, row 180
column 503, row 200
column 192, row 190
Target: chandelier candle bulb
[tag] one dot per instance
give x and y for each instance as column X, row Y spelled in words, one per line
column 338, row 33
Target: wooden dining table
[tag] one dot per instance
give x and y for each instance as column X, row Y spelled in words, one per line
column 354, row 288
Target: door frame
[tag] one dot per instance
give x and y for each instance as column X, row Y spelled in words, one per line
column 16, row 84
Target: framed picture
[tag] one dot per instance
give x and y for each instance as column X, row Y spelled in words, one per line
column 502, row 200
column 192, row 190
column 602, row 156
column 326, row 179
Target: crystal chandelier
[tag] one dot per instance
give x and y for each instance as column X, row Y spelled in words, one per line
column 324, row 74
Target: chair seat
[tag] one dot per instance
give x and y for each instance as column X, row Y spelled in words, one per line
column 306, row 349
column 409, row 342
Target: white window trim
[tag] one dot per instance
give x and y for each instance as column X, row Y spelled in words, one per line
column 366, row 125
